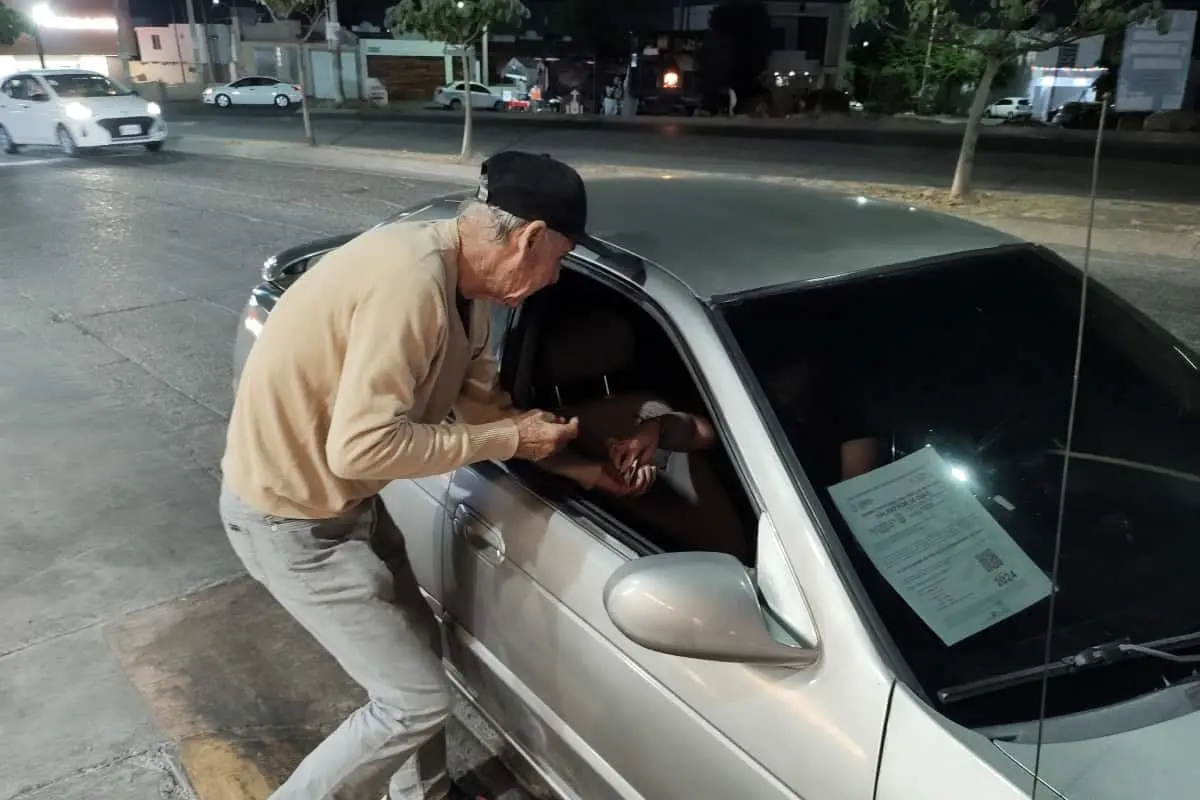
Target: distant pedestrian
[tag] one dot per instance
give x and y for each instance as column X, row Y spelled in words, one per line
column 732, row 100
column 610, row 101
column 349, row 387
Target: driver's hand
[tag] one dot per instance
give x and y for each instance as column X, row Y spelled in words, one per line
column 618, row 484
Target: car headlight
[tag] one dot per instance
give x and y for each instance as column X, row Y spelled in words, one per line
column 267, row 267
column 78, row 111
column 153, row 109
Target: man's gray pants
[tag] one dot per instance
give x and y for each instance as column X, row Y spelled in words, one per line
column 348, row 581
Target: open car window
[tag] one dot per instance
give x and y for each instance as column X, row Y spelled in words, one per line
column 959, row 374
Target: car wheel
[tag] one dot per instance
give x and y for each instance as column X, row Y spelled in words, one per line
column 7, row 145
column 455, row 104
column 223, row 101
column 282, row 101
column 154, row 147
column 66, row 142
column 498, row 105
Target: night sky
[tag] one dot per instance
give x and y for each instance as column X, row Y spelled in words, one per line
column 160, row 12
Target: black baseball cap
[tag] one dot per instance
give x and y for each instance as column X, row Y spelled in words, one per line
column 535, row 187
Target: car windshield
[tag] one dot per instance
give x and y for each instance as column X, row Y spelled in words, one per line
column 946, row 387
column 82, row 84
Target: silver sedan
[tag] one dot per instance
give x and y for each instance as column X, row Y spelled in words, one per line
column 890, row 389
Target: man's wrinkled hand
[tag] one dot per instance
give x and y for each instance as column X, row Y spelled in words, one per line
column 541, row 434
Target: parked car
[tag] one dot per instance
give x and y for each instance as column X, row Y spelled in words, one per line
column 254, row 90
column 1010, row 109
column 1080, row 114
column 77, row 110
column 887, row 636
column 483, row 97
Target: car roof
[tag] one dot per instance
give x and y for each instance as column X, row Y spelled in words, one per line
column 725, row 236
column 61, row 71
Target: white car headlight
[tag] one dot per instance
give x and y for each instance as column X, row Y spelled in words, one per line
column 78, row 111
column 153, row 109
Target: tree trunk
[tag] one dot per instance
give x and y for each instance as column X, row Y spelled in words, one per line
column 468, row 144
column 309, row 136
column 961, row 188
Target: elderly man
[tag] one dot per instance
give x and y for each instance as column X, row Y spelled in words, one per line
column 351, row 385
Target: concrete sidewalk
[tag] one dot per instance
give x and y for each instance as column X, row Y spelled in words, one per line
column 1135, row 228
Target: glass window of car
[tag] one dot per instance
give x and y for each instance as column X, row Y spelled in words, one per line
column 85, row 84
column 241, row 82
column 657, row 521
column 1004, row 102
column 974, row 356
column 1022, row 102
column 15, row 88
column 480, row 88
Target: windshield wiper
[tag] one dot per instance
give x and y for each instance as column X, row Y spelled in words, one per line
column 1097, row 655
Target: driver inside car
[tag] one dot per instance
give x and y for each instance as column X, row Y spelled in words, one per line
column 632, row 445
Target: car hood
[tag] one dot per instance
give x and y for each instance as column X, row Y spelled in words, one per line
column 1158, row 760
column 104, row 107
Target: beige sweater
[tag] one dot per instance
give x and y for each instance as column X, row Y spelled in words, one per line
column 352, row 379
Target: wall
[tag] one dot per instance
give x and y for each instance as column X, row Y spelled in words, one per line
column 408, row 77
column 143, row 71
column 321, row 63
column 787, row 21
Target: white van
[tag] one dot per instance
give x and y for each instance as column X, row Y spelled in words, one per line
column 76, row 110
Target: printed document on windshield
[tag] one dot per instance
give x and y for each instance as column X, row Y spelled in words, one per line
column 937, row 545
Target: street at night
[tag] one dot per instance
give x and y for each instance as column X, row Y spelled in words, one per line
column 120, row 287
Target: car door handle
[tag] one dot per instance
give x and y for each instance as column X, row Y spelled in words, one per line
column 483, row 538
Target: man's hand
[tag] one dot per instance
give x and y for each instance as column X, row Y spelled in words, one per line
column 631, row 453
column 541, row 434
column 613, row 482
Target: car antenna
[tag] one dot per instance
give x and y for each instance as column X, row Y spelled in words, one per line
column 1062, row 489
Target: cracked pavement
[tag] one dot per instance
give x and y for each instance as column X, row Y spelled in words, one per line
column 137, row 662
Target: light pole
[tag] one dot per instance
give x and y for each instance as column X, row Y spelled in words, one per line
column 40, row 15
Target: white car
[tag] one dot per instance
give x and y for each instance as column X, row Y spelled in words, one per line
column 254, row 90
column 451, row 96
column 1009, row 108
column 77, row 110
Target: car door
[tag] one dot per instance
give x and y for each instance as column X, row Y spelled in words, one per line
column 14, row 108
column 41, row 112
column 481, row 97
column 245, row 91
column 602, row 717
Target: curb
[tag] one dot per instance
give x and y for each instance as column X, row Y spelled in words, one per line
column 409, row 164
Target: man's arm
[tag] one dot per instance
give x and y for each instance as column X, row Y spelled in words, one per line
column 394, row 336
column 679, row 432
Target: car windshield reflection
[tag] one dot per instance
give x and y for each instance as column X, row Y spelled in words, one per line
column 928, row 407
column 85, row 86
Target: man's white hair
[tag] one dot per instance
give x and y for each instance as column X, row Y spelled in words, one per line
column 497, row 222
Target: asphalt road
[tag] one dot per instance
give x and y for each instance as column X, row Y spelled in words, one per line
column 130, row 640
column 677, row 147
column 856, row 129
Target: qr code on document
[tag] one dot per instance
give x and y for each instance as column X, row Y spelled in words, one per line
column 989, row 560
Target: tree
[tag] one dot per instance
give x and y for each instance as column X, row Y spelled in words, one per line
column 740, row 43
column 306, row 10
column 458, row 23
column 13, row 25
column 1000, row 32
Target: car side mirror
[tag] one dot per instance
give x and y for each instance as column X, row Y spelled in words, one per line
column 39, row 97
column 698, row 605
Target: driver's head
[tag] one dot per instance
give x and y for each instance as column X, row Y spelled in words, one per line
column 523, row 220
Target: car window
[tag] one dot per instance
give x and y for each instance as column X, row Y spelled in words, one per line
column 1022, row 102
column 476, row 87
column 238, row 84
column 965, row 370
column 457, row 87
column 1003, row 102
column 15, row 88
column 85, row 84
column 697, row 500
